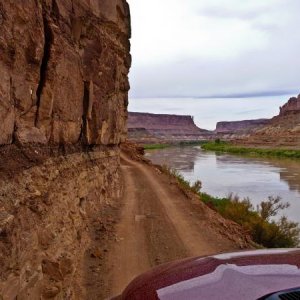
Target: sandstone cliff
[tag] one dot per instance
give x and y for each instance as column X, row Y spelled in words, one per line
column 282, row 131
column 63, row 70
column 63, row 110
column 151, row 128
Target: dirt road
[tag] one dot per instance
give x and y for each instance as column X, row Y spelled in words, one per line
column 158, row 224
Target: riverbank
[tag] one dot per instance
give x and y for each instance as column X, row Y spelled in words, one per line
column 258, row 222
column 168, row 145
column 249, row 176
column 155, row 146
column 221, row 146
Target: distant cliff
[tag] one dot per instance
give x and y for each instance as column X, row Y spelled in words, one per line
column 235, row 127
column 146, row 127
column 162, row 122
column 292, row 106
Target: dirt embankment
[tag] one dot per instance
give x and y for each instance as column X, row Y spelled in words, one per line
column 52, row 213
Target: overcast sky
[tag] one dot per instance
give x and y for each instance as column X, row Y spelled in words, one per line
column 209, row 48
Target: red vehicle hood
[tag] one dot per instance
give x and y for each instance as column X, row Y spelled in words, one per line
column 243, row 275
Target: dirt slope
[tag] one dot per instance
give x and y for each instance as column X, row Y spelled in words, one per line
column 158, row 224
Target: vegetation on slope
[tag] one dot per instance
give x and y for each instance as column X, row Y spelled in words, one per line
column 221, row 146
column 155, row 146
column 258, row 221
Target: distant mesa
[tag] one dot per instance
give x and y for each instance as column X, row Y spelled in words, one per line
column 168, row 122
column 155, row 128
column 240, row 127
column 282, row 130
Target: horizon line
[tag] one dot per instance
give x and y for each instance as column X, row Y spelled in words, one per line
column 226, row 96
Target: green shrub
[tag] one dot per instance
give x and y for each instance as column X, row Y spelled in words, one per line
column 196, row 186
column 263, row 230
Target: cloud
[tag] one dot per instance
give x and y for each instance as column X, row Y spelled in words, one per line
column 247, row 9
column 214, row 47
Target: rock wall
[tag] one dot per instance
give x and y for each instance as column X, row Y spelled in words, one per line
column 48, row 216
column 63, row 112
column 63, row 70
column 151, row 128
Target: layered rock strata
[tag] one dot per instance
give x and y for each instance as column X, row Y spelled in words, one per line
column 282, row 131
column 63, row 70
column 48, row 215
column 245, row 126
column 63, row 111
column 236, row 129
column 151, row 128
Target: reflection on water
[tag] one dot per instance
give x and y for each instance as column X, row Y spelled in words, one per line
column 221, row 174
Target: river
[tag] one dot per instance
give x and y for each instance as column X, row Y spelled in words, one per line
column 222, row 174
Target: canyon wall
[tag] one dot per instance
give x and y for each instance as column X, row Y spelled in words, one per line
column 151, row 128
column 63, row 111
column 283, row 130
column 63, row 71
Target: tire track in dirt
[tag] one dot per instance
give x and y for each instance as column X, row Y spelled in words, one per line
column 157, row 225
column 145, row 237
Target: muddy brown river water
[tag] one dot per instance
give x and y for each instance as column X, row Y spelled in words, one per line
column 246, row 176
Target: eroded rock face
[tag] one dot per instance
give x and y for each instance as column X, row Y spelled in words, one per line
column 282, row 131
column 49, row 214
column 63, row 109
column 292, row 106
column 63, row 70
